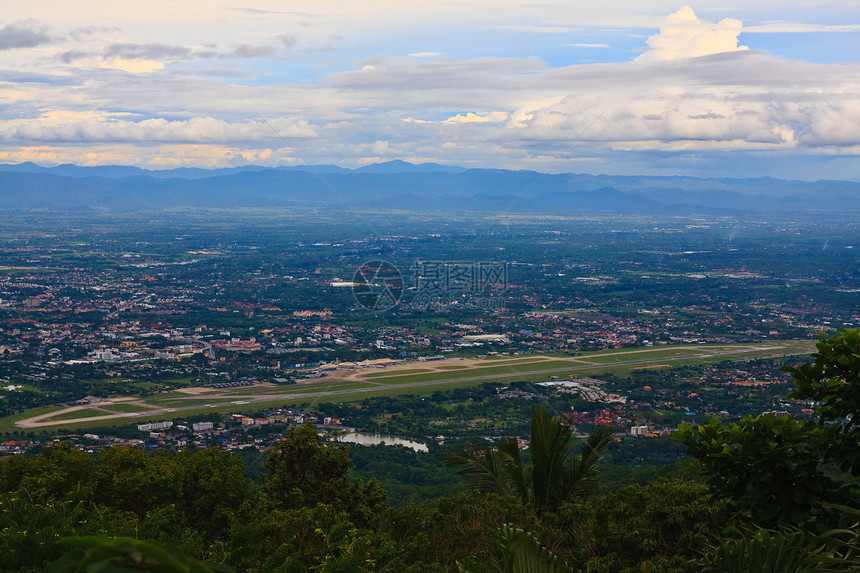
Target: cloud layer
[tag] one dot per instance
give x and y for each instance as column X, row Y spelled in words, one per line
column 667, row 92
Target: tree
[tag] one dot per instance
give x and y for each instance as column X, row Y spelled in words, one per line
column 782, row 470
column 60, row 471
column 555, row 474
column 303, row 471
column 833, row 380
column 769, row 466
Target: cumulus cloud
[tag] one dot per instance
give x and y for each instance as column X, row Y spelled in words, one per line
column 23, row 35
column 516, row 110
column 380, row 147
column 684, row 35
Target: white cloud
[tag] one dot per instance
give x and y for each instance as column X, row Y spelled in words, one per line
column 132, row 66
column 194, row 130
column 683, row 35
column 160, row 157
column 471, row 117
column 124, row 82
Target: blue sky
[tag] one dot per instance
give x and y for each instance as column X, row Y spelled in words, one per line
column 706, row 89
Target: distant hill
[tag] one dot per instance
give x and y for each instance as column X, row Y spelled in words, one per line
column 406, row 186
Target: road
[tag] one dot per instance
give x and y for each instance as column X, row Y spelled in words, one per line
column 207, row 347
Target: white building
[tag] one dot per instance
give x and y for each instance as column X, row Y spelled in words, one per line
column 638, row 430
column 154, row 426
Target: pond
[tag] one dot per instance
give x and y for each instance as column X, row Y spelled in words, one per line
column 375, row 439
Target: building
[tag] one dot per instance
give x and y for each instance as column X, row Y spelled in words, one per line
column 154, row 426
column 639, row 430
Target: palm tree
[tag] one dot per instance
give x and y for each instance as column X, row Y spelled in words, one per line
column 521, row 553
column 555, row 474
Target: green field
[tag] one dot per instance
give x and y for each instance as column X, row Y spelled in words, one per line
column 501, row 361
column 7, row 424
column 85, row 413
column 188, row 401
column 123, row 408
column 501, row 371
column 382, row 374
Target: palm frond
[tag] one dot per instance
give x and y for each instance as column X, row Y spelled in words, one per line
column 509, row 454
column 520, row 553
column 774, row 552
column 583, row 476
column 487, row 469
column 550, row 450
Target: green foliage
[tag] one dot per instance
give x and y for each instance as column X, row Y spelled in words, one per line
column 520, row 552
column 781, row 470
column 789, row 550
column 60, row 471
column 304, row 472
column 833, row 380
column 769, row 466
column 554, row 476
column 763, row 550
column 318, row 538
column 123, row 554
column 189, row 498
column 659, row 526
column 466, row 524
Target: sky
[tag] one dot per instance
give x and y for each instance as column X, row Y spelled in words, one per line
column 710, row 89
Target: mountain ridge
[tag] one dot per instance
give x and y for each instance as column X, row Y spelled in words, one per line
column 404, row 185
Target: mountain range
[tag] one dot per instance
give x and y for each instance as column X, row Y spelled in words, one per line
column 400, row 185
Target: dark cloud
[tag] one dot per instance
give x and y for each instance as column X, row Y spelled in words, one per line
column 23, row 35
column 36, row 78
column 128, row 51
column 709, row 115
column 132, row 51
column 288, row 40
column 79, row 33
column 70, row 56
column 248, row 51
